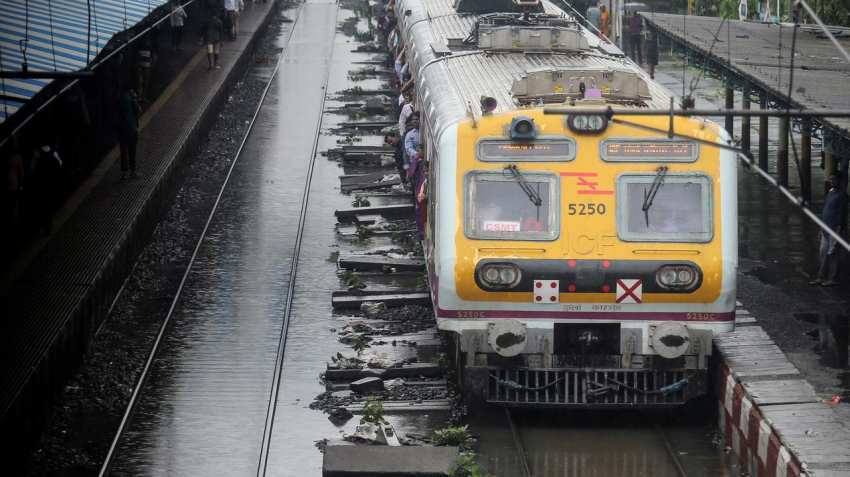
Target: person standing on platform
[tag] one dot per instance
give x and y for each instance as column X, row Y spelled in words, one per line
column 178, row 20
column 635, row 39
column 603, row 21
column 232, row 9
column 833, row 215
column 652, row 52
column 145, row 58
column 213, row 36
column 742, row 10
column 128, row 130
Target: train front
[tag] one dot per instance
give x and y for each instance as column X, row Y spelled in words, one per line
column 581, row 261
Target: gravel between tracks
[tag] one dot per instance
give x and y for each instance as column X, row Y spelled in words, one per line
column 87, row 412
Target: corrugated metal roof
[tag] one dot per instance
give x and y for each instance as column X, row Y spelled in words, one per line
column 57, row 38
column 480, row 74
column 452, row 85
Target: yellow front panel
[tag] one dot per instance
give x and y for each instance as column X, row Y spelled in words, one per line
column 588, row 180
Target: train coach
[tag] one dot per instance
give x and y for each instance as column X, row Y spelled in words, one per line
column 576, row 259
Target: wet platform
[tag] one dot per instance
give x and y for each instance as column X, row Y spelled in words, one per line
column 53, row 304
column 771, row 417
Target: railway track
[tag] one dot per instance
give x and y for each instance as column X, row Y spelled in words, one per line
column 157, row 345
column 662, row 459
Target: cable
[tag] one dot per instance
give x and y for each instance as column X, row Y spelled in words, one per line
column 52, row 42
column 88, row 32
column 23, row 43
column 134, row 397
column 93, row 66
column 788, row 102
column 695, row 81
column 3, row 89
column 823, row 27
column 745, row 157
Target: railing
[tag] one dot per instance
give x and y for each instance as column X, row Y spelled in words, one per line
column 602, row 387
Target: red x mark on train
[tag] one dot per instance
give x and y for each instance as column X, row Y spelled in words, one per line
column 629, row 290
column 586, row 187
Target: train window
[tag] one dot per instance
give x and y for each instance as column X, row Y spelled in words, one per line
column 539, row 150
column 674, row 208
column 511, row 206
column 648, row 150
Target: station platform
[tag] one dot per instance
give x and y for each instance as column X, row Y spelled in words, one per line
column 61, row 288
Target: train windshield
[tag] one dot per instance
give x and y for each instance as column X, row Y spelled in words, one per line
column 511, row 206
column 671, row 208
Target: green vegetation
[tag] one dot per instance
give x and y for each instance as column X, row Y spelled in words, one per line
column 373, row 412
column 453, row 436
column 363, row 233
column 333, row 257
column 353, row 280
column 467, row 466
column 359, row 343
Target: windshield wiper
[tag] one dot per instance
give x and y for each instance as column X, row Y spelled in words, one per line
column 649, row 195
column 532, row 194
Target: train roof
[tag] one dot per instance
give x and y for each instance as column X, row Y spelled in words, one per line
column 453, row 73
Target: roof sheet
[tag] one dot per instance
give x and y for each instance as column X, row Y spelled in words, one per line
column 451, row 86
column 57, row 38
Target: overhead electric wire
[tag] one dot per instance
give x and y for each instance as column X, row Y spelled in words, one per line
column 93, row 66
column 823, row 27
column 788, row 101
column 134, row 397
column 695, row 81
column 52, row 39
column 88, row 32
column 744, row 156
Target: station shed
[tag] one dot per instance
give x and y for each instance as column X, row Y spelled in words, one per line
column 47, row 45
column 755, row 59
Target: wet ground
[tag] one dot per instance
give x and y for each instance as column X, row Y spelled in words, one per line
column 602, row 443
column 778, row 248
column 89, row 409
column 205, row 407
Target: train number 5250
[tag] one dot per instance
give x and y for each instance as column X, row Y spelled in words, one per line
column 587, row 209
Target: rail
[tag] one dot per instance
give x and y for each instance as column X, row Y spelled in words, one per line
column 134, row 397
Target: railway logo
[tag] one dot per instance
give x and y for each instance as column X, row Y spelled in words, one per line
column 546, row 291
column 629, row 290
column 585, row 186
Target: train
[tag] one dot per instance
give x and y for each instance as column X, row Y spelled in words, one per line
column 580, row 259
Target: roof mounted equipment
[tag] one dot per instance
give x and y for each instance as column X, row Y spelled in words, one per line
column 491, row 6
column 562, row 84
column 536, row 32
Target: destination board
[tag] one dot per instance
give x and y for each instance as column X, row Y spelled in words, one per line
column 540, row 150
column 661, row 151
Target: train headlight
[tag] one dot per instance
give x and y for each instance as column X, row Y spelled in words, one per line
column 499, row 275
column 507, row 275
column 587, row 123
column 522, row 127
column 676, row 277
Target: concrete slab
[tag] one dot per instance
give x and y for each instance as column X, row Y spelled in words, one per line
column 376, row 461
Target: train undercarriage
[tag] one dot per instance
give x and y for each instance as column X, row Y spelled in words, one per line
column 582, row 365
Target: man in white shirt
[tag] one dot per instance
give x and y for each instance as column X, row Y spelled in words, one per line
column 406, row 111
column 232, row 9
column 178, row 19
